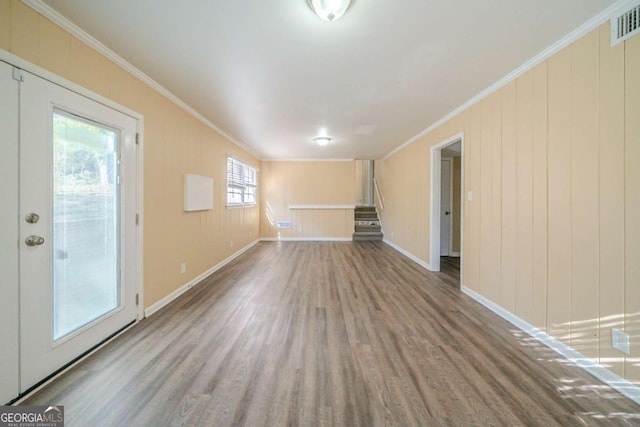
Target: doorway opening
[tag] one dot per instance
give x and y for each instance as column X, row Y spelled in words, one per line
column 447, row 178
column 364, row 182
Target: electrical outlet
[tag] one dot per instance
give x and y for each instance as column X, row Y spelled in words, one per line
column 230, row 243
column 183, row 268
column 619, row 340
column 299, row 229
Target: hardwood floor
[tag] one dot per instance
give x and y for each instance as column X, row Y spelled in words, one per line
column 450, row 268
column 345, row 334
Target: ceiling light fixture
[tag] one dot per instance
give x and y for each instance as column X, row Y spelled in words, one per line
column 322, row 140
column 329, row 10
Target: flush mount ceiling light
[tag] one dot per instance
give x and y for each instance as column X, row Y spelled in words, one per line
column 322, row 140
column 329, row 10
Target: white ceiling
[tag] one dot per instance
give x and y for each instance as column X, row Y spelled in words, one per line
column 273, row 75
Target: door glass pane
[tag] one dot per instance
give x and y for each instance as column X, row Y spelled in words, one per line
column 85, row 222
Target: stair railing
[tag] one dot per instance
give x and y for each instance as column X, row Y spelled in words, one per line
column 375, row 184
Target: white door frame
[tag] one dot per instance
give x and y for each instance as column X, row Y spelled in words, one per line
column 18, row 62
column 42, row 351
column 9, row 226
column 436, row 158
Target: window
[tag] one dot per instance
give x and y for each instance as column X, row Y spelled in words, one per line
column 242, row 183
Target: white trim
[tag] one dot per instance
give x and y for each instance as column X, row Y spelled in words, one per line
column 45, row 74
column 306, row 239
column 242, row 205
column 307, row 160
column 409, row 255
column 623, row 386
column 153, row 308
column 434, row 210
column 55, row 17
column 576, row 34
column 140, row 212
column 454, row 254
column 321, row 207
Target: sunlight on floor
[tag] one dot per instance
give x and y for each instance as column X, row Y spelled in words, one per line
column 578, row 387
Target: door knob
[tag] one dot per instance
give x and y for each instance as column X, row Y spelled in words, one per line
column 34, row 240
column 446, row 212
column 32, row 218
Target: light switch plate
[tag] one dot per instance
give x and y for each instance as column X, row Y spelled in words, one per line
column 619, row 340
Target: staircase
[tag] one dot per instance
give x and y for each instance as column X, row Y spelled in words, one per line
column 367, row 225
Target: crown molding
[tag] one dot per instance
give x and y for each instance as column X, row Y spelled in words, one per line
column 48, row 12
column 58, row 19
column 573, row 36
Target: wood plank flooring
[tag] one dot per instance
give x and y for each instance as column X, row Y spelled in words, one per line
column 344, row 334
column 450, row 267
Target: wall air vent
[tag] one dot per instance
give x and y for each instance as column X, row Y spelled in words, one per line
column 284, row 224
column 625, row 25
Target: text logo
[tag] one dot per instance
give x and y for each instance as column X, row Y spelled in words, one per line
column 31, row 416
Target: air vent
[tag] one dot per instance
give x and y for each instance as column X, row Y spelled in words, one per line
column 284, row 224
column 625, row 25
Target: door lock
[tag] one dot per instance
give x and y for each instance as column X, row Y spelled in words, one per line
column 32, row 218
column 34, row 240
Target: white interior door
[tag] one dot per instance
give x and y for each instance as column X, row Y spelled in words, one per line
column 445, row 207
column 9, row 386
column 77, row 226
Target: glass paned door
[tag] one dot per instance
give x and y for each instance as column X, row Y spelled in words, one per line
column 78, row 233
column 85, row 222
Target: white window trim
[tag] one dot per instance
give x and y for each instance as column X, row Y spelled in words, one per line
column 256, row 186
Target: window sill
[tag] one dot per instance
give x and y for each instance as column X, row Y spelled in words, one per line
column 242, row 206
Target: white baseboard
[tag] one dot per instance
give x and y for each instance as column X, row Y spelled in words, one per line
column 409, row 255
column 184, row 288
column 454, row 254
column 306, row 239
column 625, row 387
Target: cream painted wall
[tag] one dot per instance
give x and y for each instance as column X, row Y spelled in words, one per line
column 553, row 231
column 307, row 183
column 175, row 143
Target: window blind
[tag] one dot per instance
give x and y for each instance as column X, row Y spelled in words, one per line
column 242, row 183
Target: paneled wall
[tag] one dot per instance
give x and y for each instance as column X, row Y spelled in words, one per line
column 307, row 183
column 175, row 143
column 553, row 231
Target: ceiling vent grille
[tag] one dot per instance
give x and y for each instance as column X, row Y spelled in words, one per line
column 625, row 25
